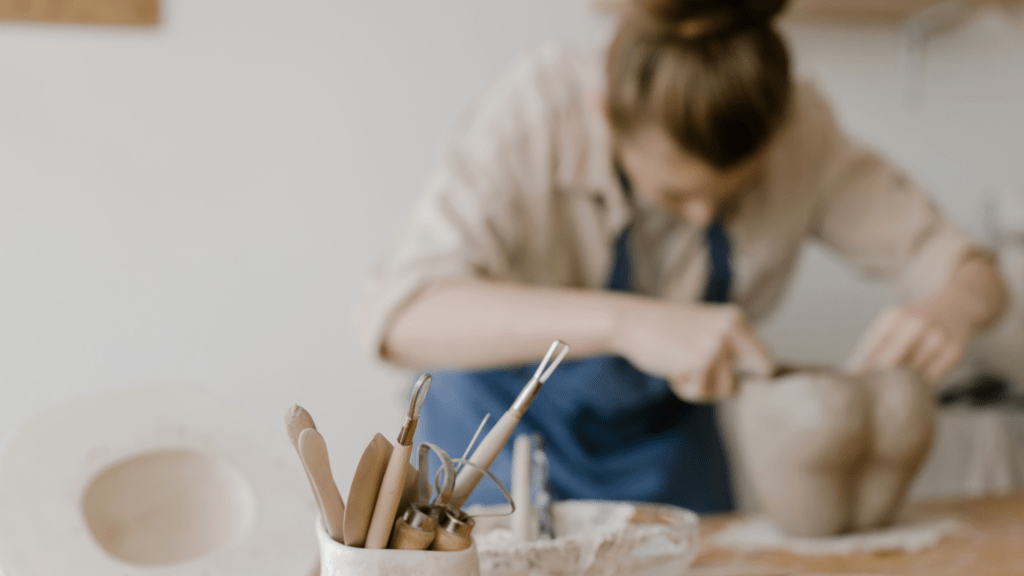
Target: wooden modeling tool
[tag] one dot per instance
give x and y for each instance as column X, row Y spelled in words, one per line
column 362, row 495
column 415, row 529
column 313, row 450
column 455, row 526
column 297, row 419
column 495, row 440
column 453, row 531
column 393, row 484
column 365, row 484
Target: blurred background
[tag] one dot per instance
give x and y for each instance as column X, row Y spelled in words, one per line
column 196, row 202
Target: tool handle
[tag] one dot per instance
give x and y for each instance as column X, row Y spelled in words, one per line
column 391, row 488
column 313, row 451
column 523, row 520
column 445, row 541
column 411, row 492
column 483, row 456
column 405, row 537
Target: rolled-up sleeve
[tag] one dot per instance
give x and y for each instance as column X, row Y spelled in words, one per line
column 878, row 218
column 470, row 220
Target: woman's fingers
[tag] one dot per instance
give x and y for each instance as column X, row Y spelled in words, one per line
column 697, row 349
column 691, row 387
column 872, row 340
column 746, row 351
column 912, row 337
column 904, row 335
column 893, row 339
column 944, row 362
column 725, row 379
column 714, row 382
column 929, row 347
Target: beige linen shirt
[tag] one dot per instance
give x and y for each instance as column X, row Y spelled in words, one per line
column 527, row 192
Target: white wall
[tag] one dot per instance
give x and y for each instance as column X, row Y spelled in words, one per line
column 196, row 203
column 963, row 137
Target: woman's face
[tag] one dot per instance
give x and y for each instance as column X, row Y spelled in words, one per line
column 663, row 174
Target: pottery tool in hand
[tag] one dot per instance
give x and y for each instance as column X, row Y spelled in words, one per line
column 391, row 488
column 495, row 440
column 313, row 451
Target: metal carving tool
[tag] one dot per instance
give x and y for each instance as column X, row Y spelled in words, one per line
column 495, row 440
column 386, row 507
column 416, row 528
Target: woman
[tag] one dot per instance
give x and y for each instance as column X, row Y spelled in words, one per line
column 642, row 204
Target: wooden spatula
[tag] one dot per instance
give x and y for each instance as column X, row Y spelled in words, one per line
column 313, row 450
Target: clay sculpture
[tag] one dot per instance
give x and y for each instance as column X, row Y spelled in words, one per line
column 830, row 452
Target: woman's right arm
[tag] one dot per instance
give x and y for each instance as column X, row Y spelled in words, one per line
column 442, row 296
column 471, row 324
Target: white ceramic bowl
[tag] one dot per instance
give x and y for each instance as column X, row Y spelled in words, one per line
column 593, row 538
column 340, row 560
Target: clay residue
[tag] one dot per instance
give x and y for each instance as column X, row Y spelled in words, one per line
column 593, row 538
column 762, row 534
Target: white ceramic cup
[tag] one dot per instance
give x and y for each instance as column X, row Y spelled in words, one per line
column 340, row 560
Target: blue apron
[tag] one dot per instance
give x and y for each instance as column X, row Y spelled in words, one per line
column 610, row 430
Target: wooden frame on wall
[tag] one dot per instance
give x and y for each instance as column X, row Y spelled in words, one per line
column 127, row 12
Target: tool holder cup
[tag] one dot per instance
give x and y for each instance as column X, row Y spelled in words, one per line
column 336, row 559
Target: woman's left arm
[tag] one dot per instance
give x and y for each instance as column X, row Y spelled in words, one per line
column 880, row 220
column 932, row 333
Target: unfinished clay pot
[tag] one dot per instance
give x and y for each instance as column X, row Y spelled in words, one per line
column 829, row 452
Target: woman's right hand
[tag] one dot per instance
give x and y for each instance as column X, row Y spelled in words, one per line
column 697, row 348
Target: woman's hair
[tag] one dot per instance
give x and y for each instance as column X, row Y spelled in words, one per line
column 714, row 74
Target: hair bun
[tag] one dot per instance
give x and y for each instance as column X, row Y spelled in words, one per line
column 672, row 12
column 763, row 9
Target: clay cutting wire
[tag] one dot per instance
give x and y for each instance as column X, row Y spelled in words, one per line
column 472, row 442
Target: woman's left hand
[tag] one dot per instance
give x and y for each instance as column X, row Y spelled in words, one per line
column 932, row 334
column 920, row 336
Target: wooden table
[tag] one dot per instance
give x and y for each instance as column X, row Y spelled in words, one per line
column 991, row 545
